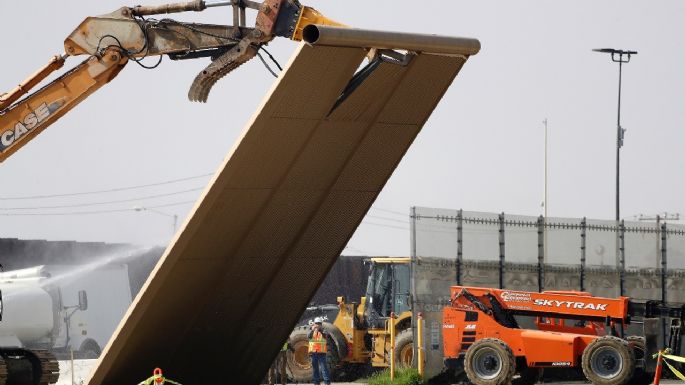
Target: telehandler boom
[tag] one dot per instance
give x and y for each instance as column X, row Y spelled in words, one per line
column 114, row 39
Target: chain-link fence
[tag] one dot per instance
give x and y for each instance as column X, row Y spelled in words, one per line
column 455, row 247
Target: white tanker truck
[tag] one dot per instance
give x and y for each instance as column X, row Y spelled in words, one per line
column 45, row 314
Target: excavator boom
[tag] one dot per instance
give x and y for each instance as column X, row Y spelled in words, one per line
column 113, row 39
column 23, row 121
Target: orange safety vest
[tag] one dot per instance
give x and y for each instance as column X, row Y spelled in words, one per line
column 318, row 343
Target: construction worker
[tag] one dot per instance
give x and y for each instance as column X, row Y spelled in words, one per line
column 317, row 351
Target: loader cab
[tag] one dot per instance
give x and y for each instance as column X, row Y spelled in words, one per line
column 387, row 290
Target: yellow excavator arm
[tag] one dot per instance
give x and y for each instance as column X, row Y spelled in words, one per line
column 114, row 39
column 23, row 121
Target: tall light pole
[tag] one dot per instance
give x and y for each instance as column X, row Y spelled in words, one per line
column 174, row 216
column 618, row 56
column 545, row 203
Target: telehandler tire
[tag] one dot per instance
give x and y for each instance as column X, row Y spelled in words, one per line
column 640, row 376
column 608, row 360
column 489, row 361
column 404, row 348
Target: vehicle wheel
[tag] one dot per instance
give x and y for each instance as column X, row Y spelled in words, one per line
column 404, row 349
column 337, row 350
column 489, row 361
column 298, row 362
column 640, row 377
column 89, row 350
column 608, row 360
column 89, row 354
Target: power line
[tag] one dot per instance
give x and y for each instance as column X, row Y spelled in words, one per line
column 106, row 190
column 406, row 215
column 387, row 219
column 384, row 225
column 90, row 212
column 101, row 203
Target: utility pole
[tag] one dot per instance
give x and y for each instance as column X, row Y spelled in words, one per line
column 545, row 202
column 659, row 218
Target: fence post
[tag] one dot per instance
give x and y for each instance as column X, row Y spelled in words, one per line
column 621, row 257
column 658, row 241
column 541, row 253
column 664, row 269
column 583, row 236
column 501, row 250
column 460, row 240
column 664, row 263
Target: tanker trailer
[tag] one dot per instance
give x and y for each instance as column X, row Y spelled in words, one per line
column 33, row 319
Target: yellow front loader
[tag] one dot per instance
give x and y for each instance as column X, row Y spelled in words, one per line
column 360, row 333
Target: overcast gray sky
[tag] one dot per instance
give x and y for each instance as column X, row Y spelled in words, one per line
column 481, row 150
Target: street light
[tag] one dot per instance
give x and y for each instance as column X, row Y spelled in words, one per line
column 618, row 56
column 139, row 208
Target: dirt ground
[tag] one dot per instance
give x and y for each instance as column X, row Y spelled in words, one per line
column 82, row 369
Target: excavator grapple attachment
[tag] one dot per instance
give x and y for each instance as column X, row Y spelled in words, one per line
column 246, row 49
column 205, row 80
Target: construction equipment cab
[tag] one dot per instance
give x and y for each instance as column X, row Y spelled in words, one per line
column 484, row 333
column 112, row 40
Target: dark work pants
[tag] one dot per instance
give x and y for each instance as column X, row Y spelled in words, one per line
column 319, row 360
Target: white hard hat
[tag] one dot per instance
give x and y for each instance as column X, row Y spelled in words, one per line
column 318, row 320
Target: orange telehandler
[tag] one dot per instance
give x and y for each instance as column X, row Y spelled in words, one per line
column 484, row 336
column 112, row 40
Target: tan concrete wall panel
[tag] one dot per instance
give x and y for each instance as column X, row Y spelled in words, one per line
column 414, row 99
column 273, row 148
column 136, row 345
column 227, row 292
column 359, row 106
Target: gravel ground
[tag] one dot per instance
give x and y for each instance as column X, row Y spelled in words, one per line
column 82, row 370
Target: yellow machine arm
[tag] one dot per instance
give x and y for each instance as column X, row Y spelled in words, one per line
column 112, row 40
